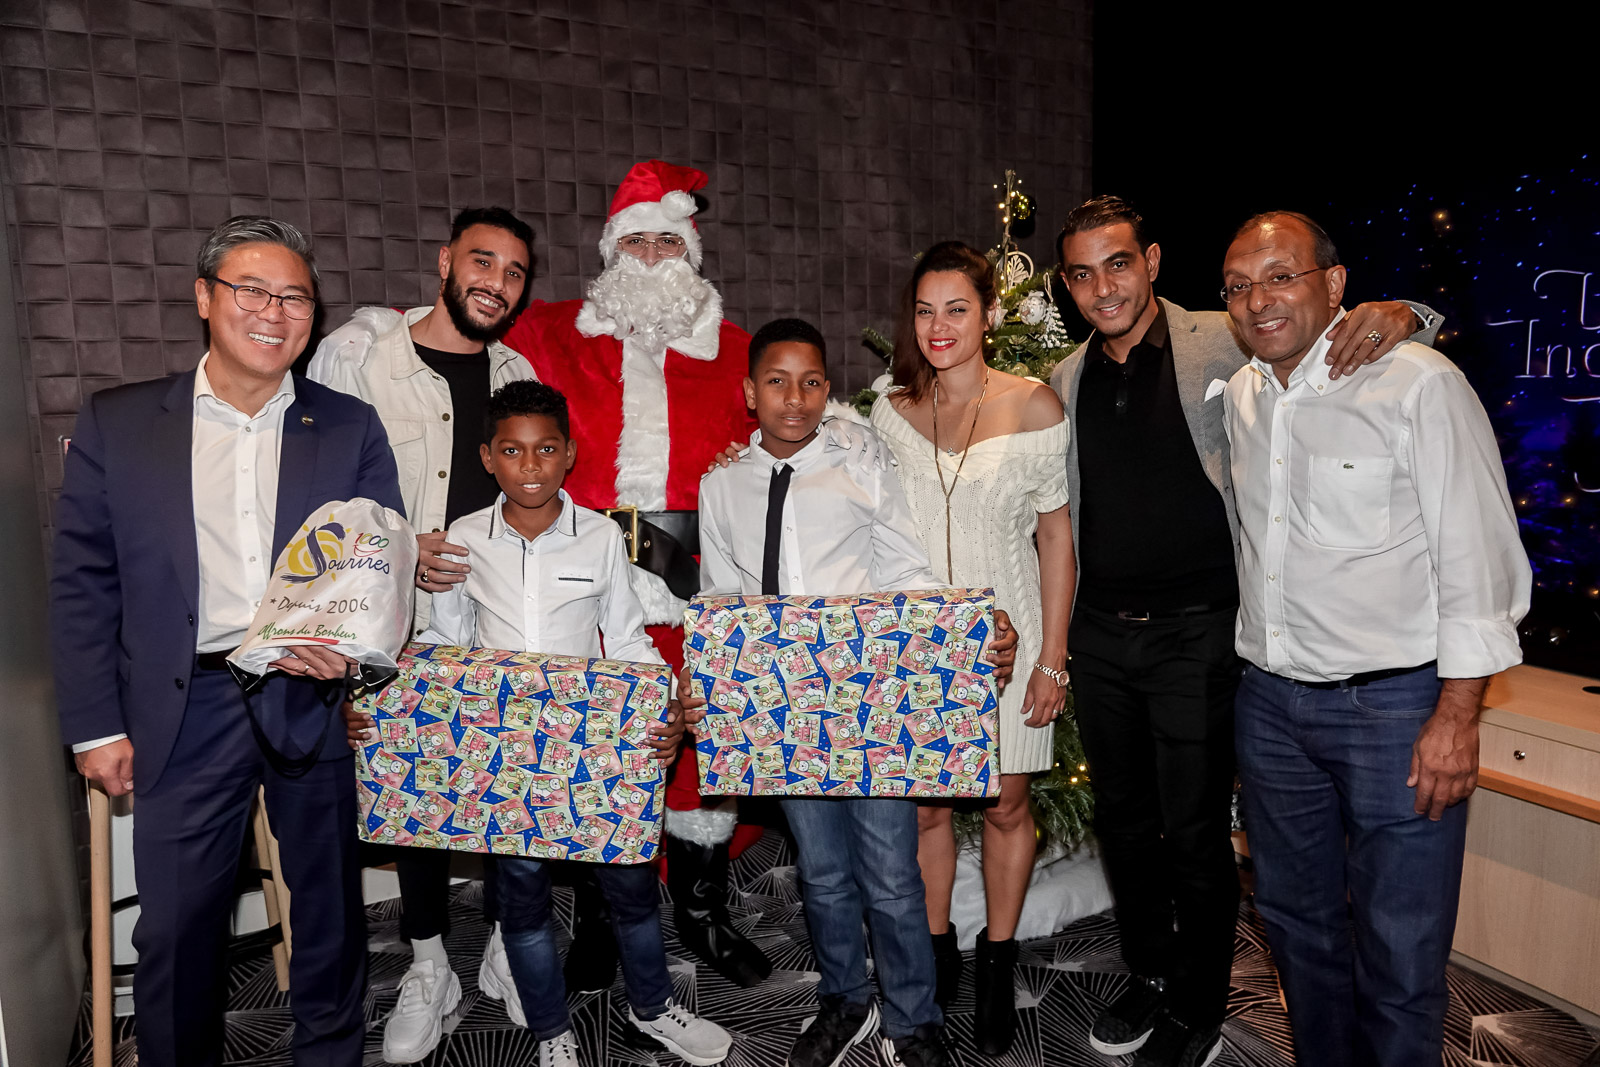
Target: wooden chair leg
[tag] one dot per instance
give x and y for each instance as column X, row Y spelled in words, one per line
column 274, row 893
column 100, row 996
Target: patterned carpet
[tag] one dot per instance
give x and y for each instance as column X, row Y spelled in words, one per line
column 1063, row 981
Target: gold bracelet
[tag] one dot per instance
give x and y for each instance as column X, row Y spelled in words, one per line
column 1061, row 678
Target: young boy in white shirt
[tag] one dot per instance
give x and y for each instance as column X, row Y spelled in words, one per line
column 797, row 514
column 549, row 576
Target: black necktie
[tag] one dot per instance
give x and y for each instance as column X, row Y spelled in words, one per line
column 769, row 557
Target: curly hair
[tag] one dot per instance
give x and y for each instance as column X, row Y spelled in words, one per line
column 780, row 330
column 526, row 397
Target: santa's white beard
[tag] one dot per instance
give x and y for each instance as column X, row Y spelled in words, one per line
column 652, row 305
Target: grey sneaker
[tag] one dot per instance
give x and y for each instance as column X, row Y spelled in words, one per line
column 495, row 981
column 560, row 1051
column 428, row 993
column 686, row 1035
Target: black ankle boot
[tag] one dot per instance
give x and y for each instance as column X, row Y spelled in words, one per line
column 591, row 964
column 995, row 1020
column 697, row 880
column 946, row 968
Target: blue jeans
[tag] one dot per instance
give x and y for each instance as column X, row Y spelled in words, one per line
column 1335, row 838
column 858, row 862
column 531, row 942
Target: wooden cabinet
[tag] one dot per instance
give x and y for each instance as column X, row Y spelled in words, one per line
column 1530, row 887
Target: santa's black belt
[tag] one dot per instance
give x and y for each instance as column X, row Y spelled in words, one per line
column 665, row 543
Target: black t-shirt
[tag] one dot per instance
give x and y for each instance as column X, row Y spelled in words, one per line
column 1152, row 529
column 467, row 375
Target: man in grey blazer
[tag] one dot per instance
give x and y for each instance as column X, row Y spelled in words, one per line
column 1152, row 635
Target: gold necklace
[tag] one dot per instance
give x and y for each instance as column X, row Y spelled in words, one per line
column 949, row 567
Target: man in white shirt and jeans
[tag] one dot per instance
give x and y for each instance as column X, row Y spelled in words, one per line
column 1381, row 581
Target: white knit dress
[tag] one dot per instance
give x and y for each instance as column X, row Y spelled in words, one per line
column 1004, row 486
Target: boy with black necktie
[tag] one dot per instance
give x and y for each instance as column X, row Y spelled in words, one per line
column 798, row 514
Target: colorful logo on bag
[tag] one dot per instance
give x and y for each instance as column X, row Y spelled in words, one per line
column 320, row 550
column 310, row 554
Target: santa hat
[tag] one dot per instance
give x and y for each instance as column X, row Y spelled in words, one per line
column 655, row 197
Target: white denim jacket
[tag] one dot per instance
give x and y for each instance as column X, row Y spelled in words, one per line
column 372, row 357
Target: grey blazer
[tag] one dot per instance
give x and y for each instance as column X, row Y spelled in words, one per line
column 1205, row 349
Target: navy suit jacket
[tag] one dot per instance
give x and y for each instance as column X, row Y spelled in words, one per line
column 124, row 592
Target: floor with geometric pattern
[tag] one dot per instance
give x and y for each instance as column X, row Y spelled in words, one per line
column 1063, row 982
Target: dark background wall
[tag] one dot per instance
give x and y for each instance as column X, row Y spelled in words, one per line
column 840, row 139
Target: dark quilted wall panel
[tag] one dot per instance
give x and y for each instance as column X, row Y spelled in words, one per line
column 840, row 138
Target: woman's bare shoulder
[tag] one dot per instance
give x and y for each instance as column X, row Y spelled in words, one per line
column 1041, row 408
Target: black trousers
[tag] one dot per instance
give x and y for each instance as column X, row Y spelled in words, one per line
column 424, row 876
column 187, row 834
column 1154, row 703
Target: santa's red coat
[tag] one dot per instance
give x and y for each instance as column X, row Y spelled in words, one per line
column 705, row 401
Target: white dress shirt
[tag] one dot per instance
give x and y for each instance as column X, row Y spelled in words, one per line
column 555, row 594
column 846, row 526
column 1375, row 527
column 234, row 485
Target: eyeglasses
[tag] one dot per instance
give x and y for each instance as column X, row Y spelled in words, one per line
column 1240, row 290
column 668, row 245
column 249, row 298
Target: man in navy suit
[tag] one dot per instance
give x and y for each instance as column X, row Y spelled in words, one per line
column 178, row 496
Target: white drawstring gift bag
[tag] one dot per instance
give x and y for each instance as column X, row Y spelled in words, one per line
column 344, row 582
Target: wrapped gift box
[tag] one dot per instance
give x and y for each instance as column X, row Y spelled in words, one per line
column 884, row 694
column 514, row 752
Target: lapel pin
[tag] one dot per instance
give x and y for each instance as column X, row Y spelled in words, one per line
column 306, row 420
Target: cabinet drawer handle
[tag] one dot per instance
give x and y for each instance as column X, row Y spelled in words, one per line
column 1519, row 754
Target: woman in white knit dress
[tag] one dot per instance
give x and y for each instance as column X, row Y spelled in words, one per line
column 982, row 458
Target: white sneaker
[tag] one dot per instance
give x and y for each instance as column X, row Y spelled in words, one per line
column 690, row 1038
column 495, row 981
column 560, row 1051
column 428, row 993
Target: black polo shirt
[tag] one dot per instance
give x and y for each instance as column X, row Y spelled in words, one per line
column 1152, row 530
column 467, row 375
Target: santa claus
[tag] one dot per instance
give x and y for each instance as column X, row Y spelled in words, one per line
column 653, row 374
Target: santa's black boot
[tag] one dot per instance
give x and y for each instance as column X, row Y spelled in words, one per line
column 591, row 964
column 697, row 880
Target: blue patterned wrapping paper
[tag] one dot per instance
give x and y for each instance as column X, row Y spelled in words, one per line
column 517, row 753
column 883, row 694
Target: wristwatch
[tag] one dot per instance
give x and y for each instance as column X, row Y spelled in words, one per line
column 1061, row 678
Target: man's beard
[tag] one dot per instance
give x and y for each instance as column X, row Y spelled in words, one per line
column 455, row 302
column 655, row 305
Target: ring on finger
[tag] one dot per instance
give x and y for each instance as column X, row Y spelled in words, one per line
column 1375, row 337
column 425, row 574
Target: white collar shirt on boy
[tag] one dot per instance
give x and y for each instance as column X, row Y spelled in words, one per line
column 847, row 528
column 556, row 594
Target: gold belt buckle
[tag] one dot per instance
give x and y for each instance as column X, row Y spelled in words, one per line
column 631, row 533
